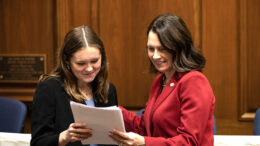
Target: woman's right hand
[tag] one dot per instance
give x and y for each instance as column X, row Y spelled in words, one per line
column 75, row 132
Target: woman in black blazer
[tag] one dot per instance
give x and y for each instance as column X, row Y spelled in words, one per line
column 81, row 76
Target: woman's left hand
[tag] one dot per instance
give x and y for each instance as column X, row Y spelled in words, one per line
column 127, row 139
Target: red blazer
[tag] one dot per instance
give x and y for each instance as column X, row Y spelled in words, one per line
column 180, row 115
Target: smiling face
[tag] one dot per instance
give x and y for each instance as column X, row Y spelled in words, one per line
column 85, row 64
column 159, row 56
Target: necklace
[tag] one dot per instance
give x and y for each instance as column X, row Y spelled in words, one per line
column 164, row 81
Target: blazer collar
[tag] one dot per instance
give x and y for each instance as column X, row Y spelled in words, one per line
column 159, row 95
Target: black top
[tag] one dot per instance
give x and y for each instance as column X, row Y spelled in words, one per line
column 51, row 112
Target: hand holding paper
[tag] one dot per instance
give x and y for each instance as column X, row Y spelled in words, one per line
column 75, row 132
column 129, row 138
column 100, row 120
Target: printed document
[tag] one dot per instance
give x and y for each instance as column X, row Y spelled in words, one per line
column 100, row 119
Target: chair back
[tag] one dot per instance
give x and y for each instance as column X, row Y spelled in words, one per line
column 257, row 123
column 12, row 115
column 140, row 112
column 215, row 126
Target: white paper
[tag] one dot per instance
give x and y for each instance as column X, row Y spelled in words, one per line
column 100, row 120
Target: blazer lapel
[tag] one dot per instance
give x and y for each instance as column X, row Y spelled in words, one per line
column 154, row 93
column 168, row 89
column 164, row 94
column 157, row 97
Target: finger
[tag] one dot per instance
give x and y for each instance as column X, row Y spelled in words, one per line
column 81, row 136
column 78, row 125
column 81, row 130
column 74, row 138
column 121, row 138
column 120, row 134
column 116, row 138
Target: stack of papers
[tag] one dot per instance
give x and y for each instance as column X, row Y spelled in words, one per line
column 100, row 119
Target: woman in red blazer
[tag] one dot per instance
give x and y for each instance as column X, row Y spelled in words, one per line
column 181, row 102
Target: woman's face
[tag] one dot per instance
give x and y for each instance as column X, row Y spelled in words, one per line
column 85, row 64
column 161, row 59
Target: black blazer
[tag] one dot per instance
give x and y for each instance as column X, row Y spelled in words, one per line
column 51, row 112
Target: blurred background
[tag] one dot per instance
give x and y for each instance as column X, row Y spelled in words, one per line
column 226, row 31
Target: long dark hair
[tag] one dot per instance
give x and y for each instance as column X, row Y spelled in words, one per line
column 175, row 37
column 74, row 41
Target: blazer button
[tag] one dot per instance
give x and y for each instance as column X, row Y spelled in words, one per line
column 172, row 84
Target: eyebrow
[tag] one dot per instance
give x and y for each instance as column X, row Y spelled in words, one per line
column 154, row 46
column 84, row 60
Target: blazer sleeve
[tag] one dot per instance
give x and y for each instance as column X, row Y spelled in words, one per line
column 43, row 115
column 133, row 122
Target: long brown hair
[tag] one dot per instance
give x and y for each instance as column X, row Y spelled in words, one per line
column 74, row 41
column 176, row 39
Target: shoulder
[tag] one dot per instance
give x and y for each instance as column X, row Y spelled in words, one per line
column 194, row 80
column 49, row 85
column 47, row 91
column 193, row 75
column 51, row 82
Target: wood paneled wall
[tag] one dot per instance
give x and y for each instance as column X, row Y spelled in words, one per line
column 231, row 69
column 226, row 31
column 249, row 57
column 123, row 26
column 27, row 27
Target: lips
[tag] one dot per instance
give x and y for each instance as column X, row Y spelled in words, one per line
column 159, row 63
column 88, row 74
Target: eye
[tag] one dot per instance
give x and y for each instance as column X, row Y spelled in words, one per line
column 94, row 61
column 162, row 49
column 80, row 63
column 150, row 48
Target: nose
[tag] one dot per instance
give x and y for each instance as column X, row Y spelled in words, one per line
column 156, row 54
column 89, row 68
